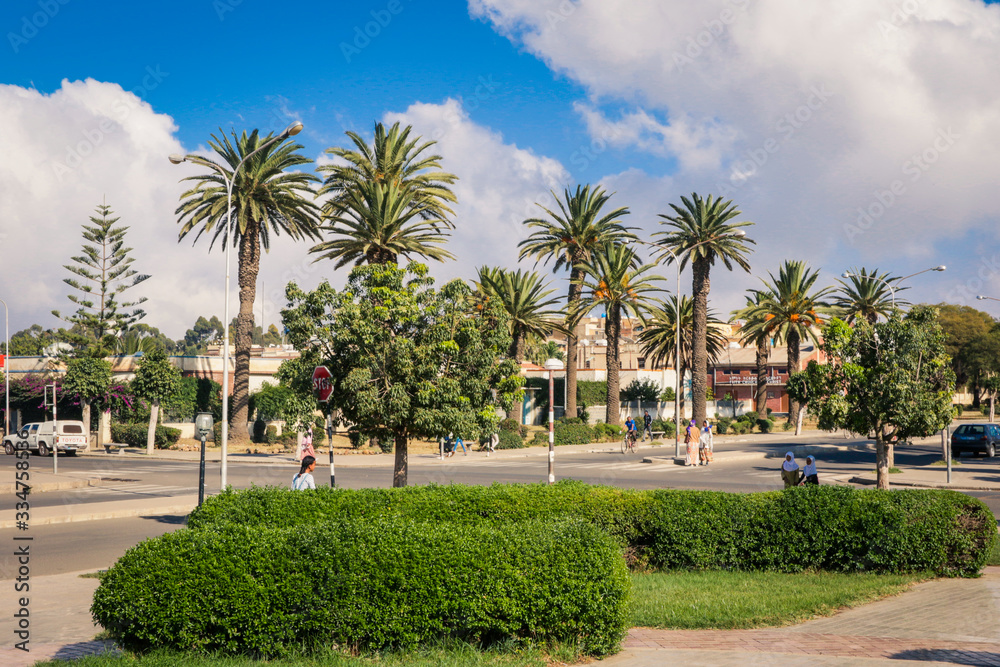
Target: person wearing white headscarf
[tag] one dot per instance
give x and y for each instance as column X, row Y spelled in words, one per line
column 809, row 474
column 705, row 444
column 791, row 474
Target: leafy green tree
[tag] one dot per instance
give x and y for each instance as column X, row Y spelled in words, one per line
column 659, row 335
column 156, row 380
column 526, row 301
column 891, row 379
column 541, row 351
column 961, row 325
column 269, row 198
column 866, row 295
column 408, row 361
column 30, row 342
column 979, row 359
column 197, row 338
column 702, row 232
column 377, row 222
column 647, row 391
column 104, row 271
column 614, row 281
column 569, row 238
column 90, row 379
column 789, row 308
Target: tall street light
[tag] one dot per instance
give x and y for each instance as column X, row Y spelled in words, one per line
column 892, row 290
column 289, row 131
column 738, row 234
column 6, row 370
column 551, row 366
column 986, row 298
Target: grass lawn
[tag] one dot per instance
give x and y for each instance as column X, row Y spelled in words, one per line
column 684, row 600
column 714, row 599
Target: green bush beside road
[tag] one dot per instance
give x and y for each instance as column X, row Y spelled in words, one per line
column 135, row 435
column 389, row 583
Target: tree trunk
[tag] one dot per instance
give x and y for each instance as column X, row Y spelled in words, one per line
column 517, row 345
column 792, row 341
column 104, row 428
column 575, row 290
column 992, row 406
column 699, row 338
column 881, row 461
column 612, row 328
column 399, row 466
column 798, row 420
column 249, row 266
column 763, row 352
column 154, row 413
column 86, row 420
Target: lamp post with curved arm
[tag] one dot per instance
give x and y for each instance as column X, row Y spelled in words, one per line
column 986, row 298
column 677, row 332
column 892, row 290
column 289, row 131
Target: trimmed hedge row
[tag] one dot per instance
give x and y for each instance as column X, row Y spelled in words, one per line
column 828, row 527
column 367, row 585
column 135, row 435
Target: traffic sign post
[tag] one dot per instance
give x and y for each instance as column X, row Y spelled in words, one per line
column 324, row 389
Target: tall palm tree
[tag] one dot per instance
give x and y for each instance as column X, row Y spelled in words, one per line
column 789, row 309
column 753, row 334
column 393, row 158
column 541, row 351
column 867, row 296
column 570, row 237
column 377, row 222
column 523, row 295
column 267, row 200
column 612, row 279
column 703, row 232
column 659, row 333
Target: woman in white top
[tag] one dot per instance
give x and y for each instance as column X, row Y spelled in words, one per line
column 304, row 480
column 705, row 444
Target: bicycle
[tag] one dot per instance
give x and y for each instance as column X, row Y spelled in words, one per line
column 628, row 442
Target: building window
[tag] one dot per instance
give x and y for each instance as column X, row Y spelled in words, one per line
column 642, row 363
column 587, row 364
column 771, row 394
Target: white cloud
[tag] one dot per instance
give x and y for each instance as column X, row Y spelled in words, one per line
column 67, row 151
column 881, row 107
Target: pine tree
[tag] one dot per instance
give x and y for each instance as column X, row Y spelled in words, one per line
column 103, row 271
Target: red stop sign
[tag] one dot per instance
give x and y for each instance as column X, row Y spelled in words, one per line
column 322, row 383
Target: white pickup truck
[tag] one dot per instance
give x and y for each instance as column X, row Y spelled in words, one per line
column 68, row 436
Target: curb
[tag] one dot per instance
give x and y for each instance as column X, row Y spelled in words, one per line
column 178, row 508
column 928, row 485
column 54, row 486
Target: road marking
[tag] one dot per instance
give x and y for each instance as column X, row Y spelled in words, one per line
column 138, row 489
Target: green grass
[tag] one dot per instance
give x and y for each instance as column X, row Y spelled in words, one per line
column 725, row 600
column 994, row 557
column 942, row 462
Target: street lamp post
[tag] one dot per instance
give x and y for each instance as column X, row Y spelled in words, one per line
column 986, row 298
column 892, row 290
column 551, row 366
column 289, row 131
column 677, row 334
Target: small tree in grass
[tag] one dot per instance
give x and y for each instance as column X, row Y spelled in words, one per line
column 89, row 378
column 155, row 380
column 408, row 361
column 892, row 379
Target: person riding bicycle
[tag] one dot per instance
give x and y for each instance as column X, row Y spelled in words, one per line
column 630, row 428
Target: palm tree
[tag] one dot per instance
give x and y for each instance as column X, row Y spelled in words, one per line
column 523, row 295
column 867, row 296
column 659, row 334
column 376, row 222
column 541, row 351
column 702, row 232
column 612, row 279
column 788, row 309
column 751, row 333
column 393, row 158
column 267, row 200
column 570, row 237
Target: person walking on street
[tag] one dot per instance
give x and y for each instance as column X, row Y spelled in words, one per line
column 647, row 426
column 304, row 480
column 791, row 474
column 809, row 474
column 705, row 444
column 307, row 444
column 691, row 443
column 491, row 444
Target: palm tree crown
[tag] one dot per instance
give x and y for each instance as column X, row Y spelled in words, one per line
column 266, row 200
column 570, row 236
column 525, row 298
column 866, row 296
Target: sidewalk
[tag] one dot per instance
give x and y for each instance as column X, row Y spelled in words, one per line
column 945, row 621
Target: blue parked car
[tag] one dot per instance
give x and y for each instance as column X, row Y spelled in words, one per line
column 976, row 438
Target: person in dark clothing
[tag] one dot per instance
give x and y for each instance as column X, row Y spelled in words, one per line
column 647, row 426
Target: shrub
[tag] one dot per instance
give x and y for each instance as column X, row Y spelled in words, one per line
column 665, row 425
column 568, row 433
column 386, row 584
column 510, row 440
column 647, row 391
column 749, row 417
column 591, row 392
column 722, row 425
column 354, row 436
column 259, row 431
column 607, row 431
column 786, row 426
column 828, row 527
column 512, row 425
column 765, row 425
column 959, row 410
column 271, row 434
column 136, row 434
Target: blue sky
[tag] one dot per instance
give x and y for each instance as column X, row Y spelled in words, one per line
column 869, row 136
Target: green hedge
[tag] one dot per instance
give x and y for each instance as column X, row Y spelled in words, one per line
column 510, row 440
column 136, row 434
column 367, row 585
column 828, row 527
column 567, row 434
